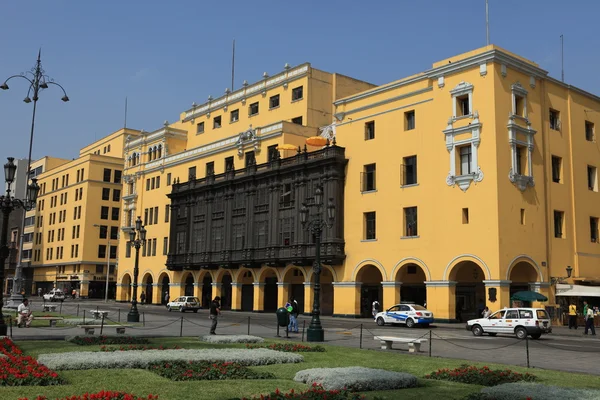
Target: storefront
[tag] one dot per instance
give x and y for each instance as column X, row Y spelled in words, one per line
column 577, row 294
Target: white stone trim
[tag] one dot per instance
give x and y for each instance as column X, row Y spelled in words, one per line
column 476, row 175
column 497, row 282
column 259, row 284
column 283, row 284
column 440, row 283
column 391, row 284
column 346, row 284
column 529, row 259
column 463, row 88
column 486, row 269
column 216, row 284
column 536, row 286
column 483, row 69
column 524, row 179
column 518, row 90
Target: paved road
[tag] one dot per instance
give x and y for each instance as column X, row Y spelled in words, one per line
column 566, row 350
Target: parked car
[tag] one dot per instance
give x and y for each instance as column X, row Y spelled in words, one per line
column 55, row 295
column 405, row 313
column 518, row 321
column 184, row 303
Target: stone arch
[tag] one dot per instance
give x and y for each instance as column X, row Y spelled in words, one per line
column 146, row 287
column 412, row 277
column 206, row 281
column 323, row 268
column 270, row 277
column 295, row 276
column 524, row 258
column 125, row 288
column 187, row 281
column 159, row 151
column 225, row 279
column 202, row 274
column 266, row 271
column 246, row 278
column 467, row 257
column 163, row 281
column 370, row 277
column 369, row 261
column 522, row 274
column 469, row 291
column 413, row 260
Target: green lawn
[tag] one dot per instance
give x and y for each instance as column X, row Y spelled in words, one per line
column 142, row 382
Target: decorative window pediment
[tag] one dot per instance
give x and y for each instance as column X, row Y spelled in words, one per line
column 462, row 100
column 521, row 143
column 248, row 137
column 464, row 165
column 519, row 100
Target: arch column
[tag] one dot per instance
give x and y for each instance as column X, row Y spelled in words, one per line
column 502, row 294
column 156, row 293
column 197, row 290
column 346, row 299
column 236, row 296
column 283, row 292
column 176, row 289
column 391, row 294
column 542, row 288
column 309, row 297
column 259, row 297
column 121, row 292
column 83, row 289
column 441, row 300
column 216, row 289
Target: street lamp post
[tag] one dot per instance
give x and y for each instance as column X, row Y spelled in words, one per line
column 133, row 315
column 7, row 204
column 315, row 226
column 38, row 81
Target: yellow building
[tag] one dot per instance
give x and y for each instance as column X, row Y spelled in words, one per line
column 461, row 187
column 240, row 129
column 466, row 183
column 77, row 219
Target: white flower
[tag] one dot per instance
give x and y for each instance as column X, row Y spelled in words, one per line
column 357, row 379
column 231, row 339
column 79, row 360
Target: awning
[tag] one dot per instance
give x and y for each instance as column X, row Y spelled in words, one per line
column 527, row 295
column 577, row 290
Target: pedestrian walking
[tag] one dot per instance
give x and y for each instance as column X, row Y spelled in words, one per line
column 39, row 292
column 166, row 298
column 588, row 315
column 375, row 308
column 215, row 311
column 143, row 297
column 293, row 310
column 572, row 316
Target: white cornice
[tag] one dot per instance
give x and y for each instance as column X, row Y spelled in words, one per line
column 159, row 134
column 379, row 90
column 247, row 91
column 342, row 115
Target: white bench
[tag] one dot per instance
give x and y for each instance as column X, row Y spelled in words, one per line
column 49, row 307
column 98, row 314
column 51, row 320
column 414, row 345
column 90, row 329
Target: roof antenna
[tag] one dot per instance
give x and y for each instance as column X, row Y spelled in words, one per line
column 562, row 58
column 125, row 123
column 232, row 64
column 487, row 23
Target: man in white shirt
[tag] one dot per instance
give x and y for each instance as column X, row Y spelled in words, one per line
column 24, row 314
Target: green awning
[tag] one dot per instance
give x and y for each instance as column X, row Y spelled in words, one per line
column 528, row 295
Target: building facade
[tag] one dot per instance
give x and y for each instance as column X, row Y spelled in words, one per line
column 76, row 223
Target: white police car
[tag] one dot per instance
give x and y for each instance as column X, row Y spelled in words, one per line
column 405, row 313
column 184, row 303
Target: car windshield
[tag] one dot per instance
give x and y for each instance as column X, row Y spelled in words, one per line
column 193, row 300
column 394, row 308
column 497, row 315
column 418, row 307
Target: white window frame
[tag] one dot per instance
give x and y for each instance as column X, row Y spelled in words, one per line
column 462, row 89
column 520, row 180
column 474, row 128
column 519, row 91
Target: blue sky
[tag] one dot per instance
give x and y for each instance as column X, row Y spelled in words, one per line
column 163, row 55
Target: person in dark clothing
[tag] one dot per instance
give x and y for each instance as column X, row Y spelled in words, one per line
column 215, row 311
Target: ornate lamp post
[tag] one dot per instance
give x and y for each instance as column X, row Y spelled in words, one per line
column 315, row 226
column 140, row 231
column 38, row 81
column 7, row 205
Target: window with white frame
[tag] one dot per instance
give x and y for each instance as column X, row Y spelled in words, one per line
column 519, row 100
column 520, row 139
column 464, row 165
column 462, row 100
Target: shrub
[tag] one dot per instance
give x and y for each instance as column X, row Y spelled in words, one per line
column 480, row 376
column 101, row 395
column 137, row 347
column 231, row 339
column 288, row 347
column 17, row 369
column 205, row 370
column 357, row 379
column 103, row 339
column 142, row 358
column 316, row 392
column 536, row 391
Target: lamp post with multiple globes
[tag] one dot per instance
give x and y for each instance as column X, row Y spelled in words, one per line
column 137, row 238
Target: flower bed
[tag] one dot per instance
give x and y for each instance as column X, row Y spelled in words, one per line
column 137, row 347
column 143, row 358
column 17, row 369
column 480, row 376
column 536, row 391
column 288, row 347
column 104, row 340
column 205, row 370
column 231, row 339
column 316, row 392
column 356, row 379
column 102, row 395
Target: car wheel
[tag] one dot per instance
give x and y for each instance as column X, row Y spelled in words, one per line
column 521, row 333
column 536, row 336
column 492, row 333
column 477, row 330
column 410, row 323
column 380, row 321
column 168, row 309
